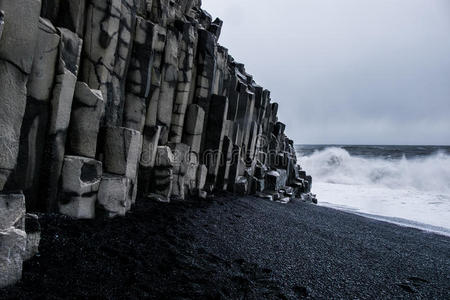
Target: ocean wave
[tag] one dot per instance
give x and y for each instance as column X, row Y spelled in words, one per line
column 336, row 165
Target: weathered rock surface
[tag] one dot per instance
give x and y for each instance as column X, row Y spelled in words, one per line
column 12, row 238
column 43, row 68
column 139, row 76
column 169, row 77
column 186, row 59
column 115, row 195
column 122, row 151
column 164, row 157
column 60, row 111
column 12, row 248
column 12, row 110
column 214, row 138
column 33, row 231
column 12, row 211
column 193, row 127
column 100, row 100
column 150, row 146
column 87, row 111
column 20, row 32
column 80, row 181
column 100, row 45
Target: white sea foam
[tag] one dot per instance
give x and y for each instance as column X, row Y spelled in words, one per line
column 416, row 190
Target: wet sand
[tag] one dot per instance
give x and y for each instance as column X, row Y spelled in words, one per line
column 234, row 248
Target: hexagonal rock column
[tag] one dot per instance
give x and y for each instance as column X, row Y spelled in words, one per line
column 202, row 173
column 12, row 238
column 35, row 121
column 193, row 127
column 214, row 137
column 158, row 44
column 251, row 150
column 80, row 180
column 161, row 184
column 61, row 107
column 181, row 154
column 275, row 180
column 256, row 185
column 12, row 109
column 168, row 85
column 33, row 231
column 186, row 53
column 116, row 87
column 12, row 211
column 234, row 86
column 150, row 146
column 163, row 11
column 13, row 243
column 87, row 111
column 122, row 150
column 190, row 180
column 241, row 186
column 100, row 45
column 148, row 157
column 17, row 48
column 205, row 71
column 115, row 195
column 152, row 131
column 43, row 69
column 139, row 76
column 235, row 167
column 221, row 68
column 19, row 41
column 244, row 116
column 225, row 164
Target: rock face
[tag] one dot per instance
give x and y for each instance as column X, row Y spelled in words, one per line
column 87, row 110
column 115, row 195
column 80, row 180
column 33, row 231
column 12, row 109
column 13, row 238
column 104, row 101
column 19, row 41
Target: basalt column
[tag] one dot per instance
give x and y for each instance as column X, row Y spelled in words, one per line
column 186, row 56
column 59, row 118
column 214, row 138
column 103, row 23
column 205, row 73
column 17, row 50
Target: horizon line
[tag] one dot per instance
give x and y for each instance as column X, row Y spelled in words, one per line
column 346, row 144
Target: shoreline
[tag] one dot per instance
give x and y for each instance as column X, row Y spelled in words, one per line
column 234, row 247
column 402, row 222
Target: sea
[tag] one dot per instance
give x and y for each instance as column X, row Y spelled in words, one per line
column 405, row 185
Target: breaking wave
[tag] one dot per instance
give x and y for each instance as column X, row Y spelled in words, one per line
column 336, row 165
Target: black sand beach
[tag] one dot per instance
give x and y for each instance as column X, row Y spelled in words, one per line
column 234, row 248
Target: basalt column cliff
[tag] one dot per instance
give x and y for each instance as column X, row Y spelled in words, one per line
column 103, row 102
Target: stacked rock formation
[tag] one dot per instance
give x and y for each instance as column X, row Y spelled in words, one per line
column 105, row 100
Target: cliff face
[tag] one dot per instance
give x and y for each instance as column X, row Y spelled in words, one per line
column 105, row 100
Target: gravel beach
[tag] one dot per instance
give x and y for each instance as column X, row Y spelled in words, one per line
column 234, row 248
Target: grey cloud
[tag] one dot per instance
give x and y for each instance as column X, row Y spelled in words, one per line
column 348, row 71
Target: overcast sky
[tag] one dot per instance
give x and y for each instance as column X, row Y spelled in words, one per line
column 347, row 71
